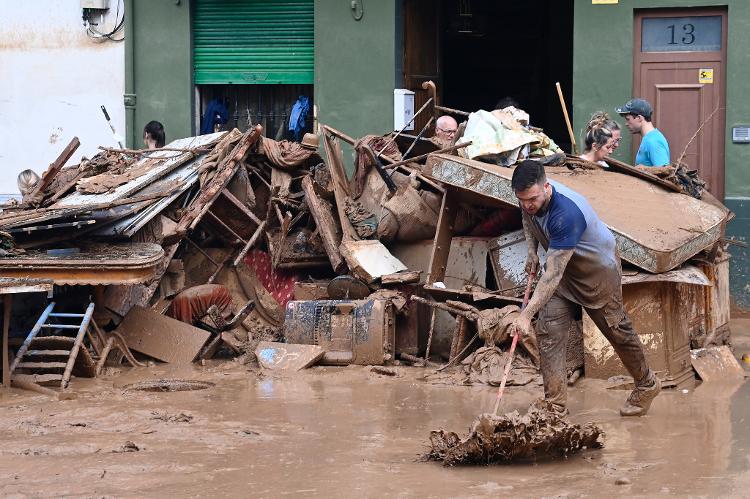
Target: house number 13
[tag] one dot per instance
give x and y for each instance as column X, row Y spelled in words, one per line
column 688, row 36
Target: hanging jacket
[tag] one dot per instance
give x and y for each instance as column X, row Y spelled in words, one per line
column 216, row 112
column 298, row 115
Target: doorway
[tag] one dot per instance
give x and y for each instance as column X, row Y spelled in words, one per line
column 481, row 51
column 679, row 66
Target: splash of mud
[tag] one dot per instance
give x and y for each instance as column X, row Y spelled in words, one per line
column 539, row 433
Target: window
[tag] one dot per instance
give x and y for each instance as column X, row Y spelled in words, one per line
column 681, row 34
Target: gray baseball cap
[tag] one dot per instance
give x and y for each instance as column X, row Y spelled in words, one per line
column 636, row 106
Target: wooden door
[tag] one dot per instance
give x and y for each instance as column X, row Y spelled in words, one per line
column 421, row 53
column 680, row 68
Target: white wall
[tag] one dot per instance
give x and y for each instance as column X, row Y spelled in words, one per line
column 53, row 80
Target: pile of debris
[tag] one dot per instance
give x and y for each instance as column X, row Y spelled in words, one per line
column 219, row 242
column 540, row 433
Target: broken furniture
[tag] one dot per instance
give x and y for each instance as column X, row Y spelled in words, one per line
column 205, row 205
column 350, row 331
column 215, row 321
column 161, row 337
column 95, row 264
column 666, row 311
column 666, row 230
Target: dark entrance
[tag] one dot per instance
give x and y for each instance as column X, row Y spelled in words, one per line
column 480, row 51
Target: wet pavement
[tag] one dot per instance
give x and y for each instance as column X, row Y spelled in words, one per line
column 348, row 432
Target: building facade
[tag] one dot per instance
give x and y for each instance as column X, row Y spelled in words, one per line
column 687, row 57
column 55, row 78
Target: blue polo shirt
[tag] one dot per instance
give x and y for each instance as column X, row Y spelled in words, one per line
column 654, row 150
column 592, row 275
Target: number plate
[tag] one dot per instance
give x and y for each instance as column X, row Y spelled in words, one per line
column 681, row 34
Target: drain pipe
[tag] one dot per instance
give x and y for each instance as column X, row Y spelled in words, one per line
column 129, row 96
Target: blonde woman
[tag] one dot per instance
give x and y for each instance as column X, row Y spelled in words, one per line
column 601, row 139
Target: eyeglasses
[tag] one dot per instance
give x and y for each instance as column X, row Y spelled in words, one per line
column 450, row 132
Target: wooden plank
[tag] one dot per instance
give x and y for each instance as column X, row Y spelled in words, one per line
column 7, row 310
column 52, row 342
column 443, row 235
column 716, row 364
column 328, row 228
column 37, row 378
column 161, row 337
column 224, row 173
column 340, row 185
column 35, row 288
column 33, row 387
column 52, row 171
column 246, row 248
column 238, row 204
column 287, row 356
column 409, row 277
column 41, row 365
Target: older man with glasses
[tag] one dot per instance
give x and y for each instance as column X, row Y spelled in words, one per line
column 445, row 129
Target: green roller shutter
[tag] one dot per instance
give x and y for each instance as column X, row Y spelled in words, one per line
column 253, row 41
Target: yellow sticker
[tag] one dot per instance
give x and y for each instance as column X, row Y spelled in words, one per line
column 706, row 75
column 604, row 2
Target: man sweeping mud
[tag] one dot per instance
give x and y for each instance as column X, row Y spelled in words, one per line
column 582, row 270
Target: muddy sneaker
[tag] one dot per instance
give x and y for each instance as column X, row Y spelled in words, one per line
column 640, row 399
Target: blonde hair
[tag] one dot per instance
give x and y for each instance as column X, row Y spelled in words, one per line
column 599, row 130
column 27, row 180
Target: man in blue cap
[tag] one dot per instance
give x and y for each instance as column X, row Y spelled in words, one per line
column 654, row 150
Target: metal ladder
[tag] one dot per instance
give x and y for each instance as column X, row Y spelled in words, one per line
column 48, row 355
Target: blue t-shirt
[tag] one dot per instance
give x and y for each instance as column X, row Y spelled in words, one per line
column 592, row 275
column 654, row 150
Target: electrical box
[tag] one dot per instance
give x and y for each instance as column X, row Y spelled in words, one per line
column 741, row 134
column 95, row 4
column 403, row 109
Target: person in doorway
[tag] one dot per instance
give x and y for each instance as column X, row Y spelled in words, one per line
column 153, row 135
column 582, row 270
column 507, row 102
column 599, row 141
column 445, row 130
column 654, row 149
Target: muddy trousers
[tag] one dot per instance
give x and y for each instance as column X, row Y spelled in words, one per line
column 554, row 323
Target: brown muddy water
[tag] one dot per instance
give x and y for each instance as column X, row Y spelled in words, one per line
column 348, row 432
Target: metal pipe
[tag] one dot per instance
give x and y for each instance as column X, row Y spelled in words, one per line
column 424, row 156
column 419, row 136
column 404, row 127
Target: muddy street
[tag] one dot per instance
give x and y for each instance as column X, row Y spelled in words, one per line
column 338, row 432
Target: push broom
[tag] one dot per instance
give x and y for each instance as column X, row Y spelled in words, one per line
column 541, row 432
column 513, row 346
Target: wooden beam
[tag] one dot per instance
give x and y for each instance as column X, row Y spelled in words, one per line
column 328, row 228
column 340, row 186
column 52, row 171
column 443, row 235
